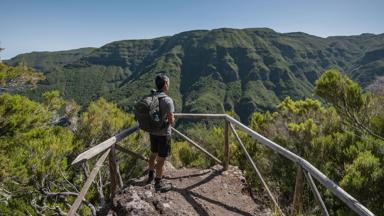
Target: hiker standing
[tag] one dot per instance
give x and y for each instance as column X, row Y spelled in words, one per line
column 161, row 139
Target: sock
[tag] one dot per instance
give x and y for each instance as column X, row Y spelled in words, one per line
column 151, row 173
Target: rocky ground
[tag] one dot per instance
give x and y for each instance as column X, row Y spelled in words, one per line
column 195, row 192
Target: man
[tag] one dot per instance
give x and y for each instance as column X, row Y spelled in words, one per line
column 161, row 140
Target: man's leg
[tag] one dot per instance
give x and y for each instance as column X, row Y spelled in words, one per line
column 159, row 167
column 151, row 167
column 152, row 159
column 151, row 163
column 160, row 184
column 163, row 152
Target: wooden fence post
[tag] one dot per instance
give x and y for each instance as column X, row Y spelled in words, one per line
column 226, row 146
column 116, row 181
column 297, row 205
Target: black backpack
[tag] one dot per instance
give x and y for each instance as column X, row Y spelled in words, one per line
column 147, row 112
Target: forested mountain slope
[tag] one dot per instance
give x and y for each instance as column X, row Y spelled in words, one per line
column 240, row 70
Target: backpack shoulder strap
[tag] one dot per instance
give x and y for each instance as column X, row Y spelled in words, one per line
column 162, row 95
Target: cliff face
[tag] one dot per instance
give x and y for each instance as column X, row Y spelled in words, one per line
column 195, row 192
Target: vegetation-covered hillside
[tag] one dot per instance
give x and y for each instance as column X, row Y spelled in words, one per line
column 240, row 70
column 48, row 61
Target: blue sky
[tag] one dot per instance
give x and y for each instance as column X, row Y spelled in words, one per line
column 49, row 25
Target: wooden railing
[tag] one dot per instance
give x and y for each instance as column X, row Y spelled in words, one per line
column 109, row 146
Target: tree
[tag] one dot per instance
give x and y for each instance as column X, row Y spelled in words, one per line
column 363, row 114
column 35, row 177
column 364, row 177
column 64, row 112
column 295, row 125
column 354, row 105
column 17, row 78
column 32, row 152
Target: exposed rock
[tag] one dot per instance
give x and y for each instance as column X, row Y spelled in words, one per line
column 136, row 200
column 195, row 192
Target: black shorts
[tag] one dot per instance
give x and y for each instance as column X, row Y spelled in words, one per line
column 160, row 145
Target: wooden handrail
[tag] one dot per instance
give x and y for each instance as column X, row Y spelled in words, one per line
column 90, row 153
column 109, row 147
column 124, row 133
column 199, row 116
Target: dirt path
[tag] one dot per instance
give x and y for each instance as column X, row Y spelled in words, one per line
column 195, row 192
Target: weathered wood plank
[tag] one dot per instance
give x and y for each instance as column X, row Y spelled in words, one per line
column 196, row 145
column 88, row 183
column 199, row 116
column 90, row 153
column 255, row 169
column 351, row 202
column 124, row 133
column 127, row 151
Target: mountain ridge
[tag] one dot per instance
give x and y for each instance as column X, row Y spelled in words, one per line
column 213, row 71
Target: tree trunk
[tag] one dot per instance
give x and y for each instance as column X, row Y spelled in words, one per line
column 297, row 206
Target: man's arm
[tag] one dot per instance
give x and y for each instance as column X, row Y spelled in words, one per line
column 171, row 118
column 170, row 110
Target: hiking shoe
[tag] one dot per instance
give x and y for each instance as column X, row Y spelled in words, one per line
column 151, row 176
column 162, row 186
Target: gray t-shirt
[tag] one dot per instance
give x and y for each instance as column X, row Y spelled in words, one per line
column 166, row 106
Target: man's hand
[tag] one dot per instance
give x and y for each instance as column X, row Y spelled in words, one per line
column 171, row 118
